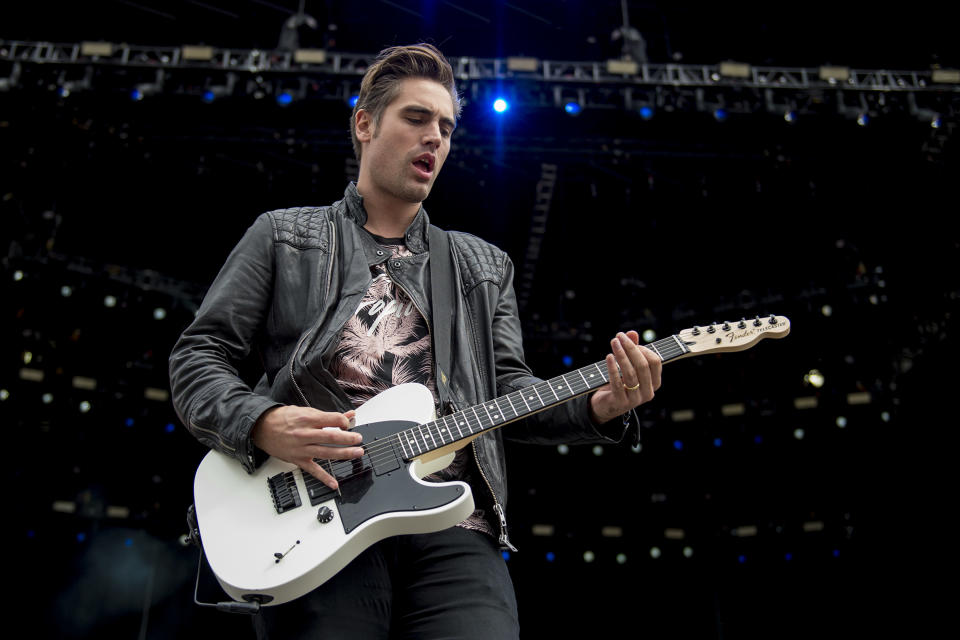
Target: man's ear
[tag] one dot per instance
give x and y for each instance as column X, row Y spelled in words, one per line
column 364, row 125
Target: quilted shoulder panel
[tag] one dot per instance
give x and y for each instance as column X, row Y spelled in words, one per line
column 478, row 260
column 301, row 227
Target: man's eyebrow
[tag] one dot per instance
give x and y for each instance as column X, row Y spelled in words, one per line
column 413, row 108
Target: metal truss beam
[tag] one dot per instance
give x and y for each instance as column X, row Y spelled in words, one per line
column 351, row 65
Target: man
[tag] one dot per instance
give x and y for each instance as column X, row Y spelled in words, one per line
column 340, row 303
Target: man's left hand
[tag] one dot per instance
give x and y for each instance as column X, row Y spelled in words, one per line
column 634, row 374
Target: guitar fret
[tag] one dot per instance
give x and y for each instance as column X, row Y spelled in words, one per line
column 479, row 422
column 515, row 413
column 525, row 401
column 457, row 423
column 550, row 386
column 406, row 454
column 412, row 441
column 446, row 429
column 422, row 437
column 431, row 436
column 585, row 383
column 542, row 403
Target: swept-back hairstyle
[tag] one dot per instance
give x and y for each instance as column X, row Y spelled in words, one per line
column 381, row 82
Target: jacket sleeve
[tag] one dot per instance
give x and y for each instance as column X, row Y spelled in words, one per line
column 208, row 395
column 566, row 423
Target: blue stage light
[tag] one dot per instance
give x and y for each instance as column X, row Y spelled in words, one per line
column 567, row 361
column 285, row 98
column 742, row 559
column 717, row 442
column 573, row 108
column 551, row 556
column 170, row 427
column 128, row 422
column 500, row 105
column 505, row 554
column 678, row 445
column 720, row 114
column 353, row 101
column 136, row 95
column 646, row 113
column 209, row 96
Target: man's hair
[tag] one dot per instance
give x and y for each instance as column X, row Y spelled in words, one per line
column 393, row 65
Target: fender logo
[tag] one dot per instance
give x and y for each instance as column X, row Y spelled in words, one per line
column 735, row 336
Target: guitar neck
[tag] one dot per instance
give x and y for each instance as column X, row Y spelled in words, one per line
column 473, row 421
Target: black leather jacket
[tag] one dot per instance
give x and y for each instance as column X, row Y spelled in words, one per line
column 288, row 288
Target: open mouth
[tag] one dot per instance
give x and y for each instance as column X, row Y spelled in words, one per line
column 424, row 163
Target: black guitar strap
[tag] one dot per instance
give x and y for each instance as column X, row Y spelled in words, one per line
column 442, row 291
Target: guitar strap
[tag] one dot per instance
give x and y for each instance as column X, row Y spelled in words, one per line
column 442, row 291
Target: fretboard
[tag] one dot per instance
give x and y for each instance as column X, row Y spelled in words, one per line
column 421, row 439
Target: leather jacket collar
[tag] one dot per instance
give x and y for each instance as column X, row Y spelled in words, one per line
column 415, row 236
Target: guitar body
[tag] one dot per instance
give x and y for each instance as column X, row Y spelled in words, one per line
column 259, row 553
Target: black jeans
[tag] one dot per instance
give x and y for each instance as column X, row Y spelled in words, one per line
column 449, row 584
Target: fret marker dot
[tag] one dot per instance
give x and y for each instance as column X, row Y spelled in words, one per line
column 495, row 416
column 559, row 386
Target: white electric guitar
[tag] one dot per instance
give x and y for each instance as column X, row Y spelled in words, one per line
column 275, row 535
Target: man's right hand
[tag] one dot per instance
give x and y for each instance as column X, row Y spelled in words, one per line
column 300, row 434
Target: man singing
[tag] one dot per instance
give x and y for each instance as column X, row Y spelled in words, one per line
column 342, row 302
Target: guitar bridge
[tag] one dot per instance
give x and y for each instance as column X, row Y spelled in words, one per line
column 283, row 491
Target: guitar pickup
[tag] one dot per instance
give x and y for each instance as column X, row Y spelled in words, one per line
column 283, row 491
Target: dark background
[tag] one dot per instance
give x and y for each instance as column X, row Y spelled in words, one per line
column 654, row 224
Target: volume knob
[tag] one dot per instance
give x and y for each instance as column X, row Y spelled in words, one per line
column 324, row 515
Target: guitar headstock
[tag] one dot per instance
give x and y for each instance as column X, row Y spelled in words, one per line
column 733, row 336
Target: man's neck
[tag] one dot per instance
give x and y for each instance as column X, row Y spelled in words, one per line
column 387, row 217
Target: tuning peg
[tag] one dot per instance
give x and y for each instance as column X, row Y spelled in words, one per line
column 696, row 331
column 742, row 324
column 726, row 326
column 773, row 319
column 757, row 322
column 712, row 329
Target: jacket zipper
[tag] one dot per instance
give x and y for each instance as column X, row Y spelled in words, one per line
column 497, row 507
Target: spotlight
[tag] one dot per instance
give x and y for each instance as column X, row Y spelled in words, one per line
column 936, row 122
column 159, row 313
column 588, row 556
column 573, row 108
column 841, row 422
column 209, row 96
column 863, row 119
column 646, row 112
column 678, row 445
column 110, row 301
column 563, row 449
column 567, row 361
column 814, row 378
column 799, row 433
column 66, row 291
column 655, row 552
column 621, row 558
column 720, row 114
column 598, row 450
column 84, row 407
column 353, row 101
column 649, row 335
column 17, row 275
column 790, row 116
column 551, row 556
column 136, row 95
column 285, row 98
column 717, row 442
column 500, row 105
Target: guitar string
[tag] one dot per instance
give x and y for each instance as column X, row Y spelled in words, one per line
column 383, row 450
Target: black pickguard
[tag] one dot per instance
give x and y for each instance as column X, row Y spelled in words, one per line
column 382, row 486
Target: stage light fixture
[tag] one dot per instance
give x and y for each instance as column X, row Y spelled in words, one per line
column 353, row 100
column 598, row 450
column 284, row 98
column 84, row 407
column 799, row 433
column 66, row 291
column 47, row 398
column 678, row 445
column 649, row 335
column 655, row 552
column 646, row 112
column 522, row 64
column 209, row 96
column 17, row 275
column 567, row 361
column 27, row 357
column 550, row 556
column 110, row 301
column 563, row 449
column 841, row 422
column 159, row 313
column 720, row 114
column 4, row 395
column 589, row 556
column 718, row 442
column 500, row 105
column 790, row 116
column 621, row 558
column 572, row 108
column 936, row 122
column 688, row 552
column 863, row 119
